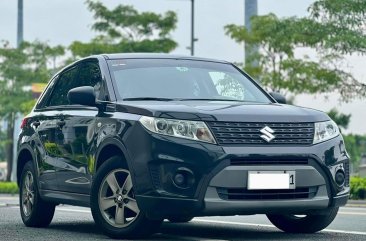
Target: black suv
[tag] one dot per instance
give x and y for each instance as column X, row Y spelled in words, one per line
column 140, row 138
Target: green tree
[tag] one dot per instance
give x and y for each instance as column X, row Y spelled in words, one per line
column 124, row 30
column 19, row 68
column 2, row 145
column 341, row 119
column 355, row 144
column 333, row 29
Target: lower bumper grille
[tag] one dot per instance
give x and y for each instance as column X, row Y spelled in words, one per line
column 243, row 194
column 269, row 161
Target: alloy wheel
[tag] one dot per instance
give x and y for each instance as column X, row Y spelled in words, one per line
column 28, row 194
column 117, row 201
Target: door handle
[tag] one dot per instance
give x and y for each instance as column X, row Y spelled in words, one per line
column 61, row 123
column 36, row 124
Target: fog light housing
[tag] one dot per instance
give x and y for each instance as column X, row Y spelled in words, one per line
column 340, row 178
column 183, row 178
column 179, row 179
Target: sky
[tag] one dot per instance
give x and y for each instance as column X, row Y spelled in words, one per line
column 63, row 21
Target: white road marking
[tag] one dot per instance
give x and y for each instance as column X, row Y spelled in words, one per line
column 73, row 210
column 9, row 198
column 352, row 213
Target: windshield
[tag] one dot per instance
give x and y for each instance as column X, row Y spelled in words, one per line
column 171, row 79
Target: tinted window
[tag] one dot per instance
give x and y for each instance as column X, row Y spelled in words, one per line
column 42, row 101
column 65, row 83
column 182, row 79
column 86, row 74
column 89, row 75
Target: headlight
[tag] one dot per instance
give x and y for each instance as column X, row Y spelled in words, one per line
column 194, row 130
column 325, row 130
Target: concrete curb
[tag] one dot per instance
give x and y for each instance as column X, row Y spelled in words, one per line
column 356, row 203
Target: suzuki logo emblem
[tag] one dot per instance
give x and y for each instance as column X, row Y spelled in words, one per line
column 267, row 134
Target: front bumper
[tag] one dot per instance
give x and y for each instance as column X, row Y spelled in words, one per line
column 214, row 173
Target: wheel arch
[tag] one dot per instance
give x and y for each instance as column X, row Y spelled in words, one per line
column 25, row 154
column 109, row 148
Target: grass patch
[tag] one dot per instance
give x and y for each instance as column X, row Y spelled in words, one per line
column 9, row 188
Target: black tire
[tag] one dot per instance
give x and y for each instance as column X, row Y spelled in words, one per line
column 140, row 227
column 41, row 212
column 311, row 223
column 180, row 219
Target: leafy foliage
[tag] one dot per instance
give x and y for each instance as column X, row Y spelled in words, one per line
column 329, row 30
column 125, row 30
column 2, row 145
column 21, row 67
column 341, row 119
column 356, row 146
column 9, row 188
column 358, row 188
column 342, row 24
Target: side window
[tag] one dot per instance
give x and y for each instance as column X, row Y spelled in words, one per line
column 65, row 83
column 42, row 102
column 90, row 75
column 85, row 74
column 227, row 86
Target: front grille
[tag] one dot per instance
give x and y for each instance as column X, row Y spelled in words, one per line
column 244, row 194
column 346, row 171
column 248, row 133
column 247, row 161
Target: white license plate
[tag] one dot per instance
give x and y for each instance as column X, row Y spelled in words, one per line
column 262, row 180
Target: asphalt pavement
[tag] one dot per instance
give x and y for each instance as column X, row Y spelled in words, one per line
column 75, row 223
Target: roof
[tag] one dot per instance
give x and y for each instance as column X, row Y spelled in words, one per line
column 157, row 56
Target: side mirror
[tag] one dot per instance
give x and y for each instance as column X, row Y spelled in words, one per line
column 83, row 95
column 278, row 97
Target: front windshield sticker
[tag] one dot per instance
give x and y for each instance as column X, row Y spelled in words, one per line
column 182, row 69
column 117, row 63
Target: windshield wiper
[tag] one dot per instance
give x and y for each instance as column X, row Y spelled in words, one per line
column 148, row 98
column 210, row 99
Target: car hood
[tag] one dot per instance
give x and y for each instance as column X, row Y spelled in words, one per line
column 222, row 111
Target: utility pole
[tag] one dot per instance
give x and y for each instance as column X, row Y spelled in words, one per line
column 251, row 9
column 192, row 28
column 10, row 147
column 20, row 23
column 193, row 39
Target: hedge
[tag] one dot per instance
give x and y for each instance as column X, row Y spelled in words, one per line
column 9, row 187
column 358, row 188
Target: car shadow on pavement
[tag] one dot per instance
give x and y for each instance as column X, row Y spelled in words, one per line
column 196, row 231
column 199, row 231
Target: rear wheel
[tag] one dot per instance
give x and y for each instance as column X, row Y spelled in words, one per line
column 310, row 223
column 34, row 211
column 114, row 206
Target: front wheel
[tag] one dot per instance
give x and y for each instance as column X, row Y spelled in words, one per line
column 310, row 223
column 113, row 203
